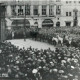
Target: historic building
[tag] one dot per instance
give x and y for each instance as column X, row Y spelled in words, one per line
column 45, row 13
column 70, row 13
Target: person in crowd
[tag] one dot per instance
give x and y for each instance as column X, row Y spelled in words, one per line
column 30, row 63
column 12, row 34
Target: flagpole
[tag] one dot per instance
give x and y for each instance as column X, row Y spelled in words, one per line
column 24, row 24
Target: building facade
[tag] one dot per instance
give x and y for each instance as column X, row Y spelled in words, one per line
column 47, row 13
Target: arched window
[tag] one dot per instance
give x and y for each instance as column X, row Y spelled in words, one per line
column 20, row 23
column 47, row 23
column 36, row 24
column 58, row 24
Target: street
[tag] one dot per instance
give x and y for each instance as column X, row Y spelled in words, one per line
column 35, row 44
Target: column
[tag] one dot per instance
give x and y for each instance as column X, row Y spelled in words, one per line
column 39, row 23
column 54, row 23
column 40, row 10
column 16, row 10
column 31, row 10
column 60, row 9
column 9, row 12
column 47, row 10
column 23, row 7
column 54, row 10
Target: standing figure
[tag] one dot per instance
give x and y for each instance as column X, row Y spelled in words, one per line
column 12, row 34
column 24, row 36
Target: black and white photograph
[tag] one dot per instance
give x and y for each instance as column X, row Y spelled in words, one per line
column 39, row 39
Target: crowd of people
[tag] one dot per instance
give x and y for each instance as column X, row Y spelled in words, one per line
column 46, row 35
column 34, row 64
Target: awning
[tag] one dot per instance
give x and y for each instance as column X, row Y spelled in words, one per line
column 36, row 24
column 20, row 23
column 47, row 22
column 67, row 21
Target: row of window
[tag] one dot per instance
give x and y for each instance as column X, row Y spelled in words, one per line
column 68, row 2
column 35, row 10
column 68, row 14
column 58, row 9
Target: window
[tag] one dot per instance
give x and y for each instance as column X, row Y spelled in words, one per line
column 68, row 23
column 66, row 2
column 69, row 1
column 58, row 24
column 35, row 10
column 66, row 13
column 58, row 10
column 20, row 10
column 69, row 13
column 13, row 9
column 43, row 9
column 50, row 10
column 27, row 9
column 74, row 1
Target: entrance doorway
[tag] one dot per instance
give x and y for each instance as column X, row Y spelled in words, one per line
column 68, row 24
column 18, row 24
column 36, row 24
column 58, row 24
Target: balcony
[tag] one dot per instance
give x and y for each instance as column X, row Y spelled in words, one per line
column 30, row 16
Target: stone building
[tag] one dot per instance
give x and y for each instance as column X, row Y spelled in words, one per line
column 45, row 13
column 70, row 13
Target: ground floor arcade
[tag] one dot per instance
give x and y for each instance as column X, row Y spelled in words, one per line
column 42, row 22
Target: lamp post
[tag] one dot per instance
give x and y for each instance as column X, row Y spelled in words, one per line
column 2, row 22
column 24, row 32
